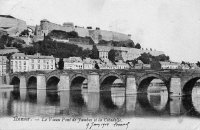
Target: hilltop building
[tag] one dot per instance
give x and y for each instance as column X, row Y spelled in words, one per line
column 97, row 34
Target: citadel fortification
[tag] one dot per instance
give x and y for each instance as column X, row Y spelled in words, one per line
column 96, row 34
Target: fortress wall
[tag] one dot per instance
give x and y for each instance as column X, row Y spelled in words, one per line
column 52, row 26
column 82, row 32
column 106, row 35
column 120, row 36
column 13, row 23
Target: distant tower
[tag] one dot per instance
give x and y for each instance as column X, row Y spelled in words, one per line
column 44, row 24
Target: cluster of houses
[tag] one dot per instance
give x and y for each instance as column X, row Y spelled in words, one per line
column 19, row 62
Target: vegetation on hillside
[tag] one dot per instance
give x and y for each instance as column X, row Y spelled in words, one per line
column 58, row 34
column 146, row 58
column 8, row 41
column 127, row 43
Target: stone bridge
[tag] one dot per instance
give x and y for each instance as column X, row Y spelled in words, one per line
column 178, row 82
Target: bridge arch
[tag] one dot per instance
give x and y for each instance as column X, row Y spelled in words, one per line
column 52, row 82
column 76, row 80
column 32, row 82
column 146, row 105
column 189, row 84
column 144, row 82
column 15, row 80
column 109, row 78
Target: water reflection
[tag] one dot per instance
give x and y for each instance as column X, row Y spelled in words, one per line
column 33, row 102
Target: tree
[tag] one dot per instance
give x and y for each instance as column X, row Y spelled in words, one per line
column 138, row 46
column 86, row 53
column 24, row 33
column 96, row 66
column 145, row 58
column 61, row 64
column 198, row 64
column 95, row 52
column 111, row 55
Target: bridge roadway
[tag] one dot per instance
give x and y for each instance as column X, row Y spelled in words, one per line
column 178, row 82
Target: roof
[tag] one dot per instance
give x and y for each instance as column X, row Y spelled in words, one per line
column 19, row 55
column 140, row 62
column 88, row 60
column 103, row 48
column 4, row 58
column 44, row 20
column 39, row 56
column 72, row 59
column 9, row 50
column 168, row 63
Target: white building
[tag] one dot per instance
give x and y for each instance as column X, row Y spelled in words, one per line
column 169, row 65
column 3, row 65
column 41, row 62
column 23, row 63
column 121, row 65
column 73, row 63
column 88, row 63
column 103, row 52
column 19, row 62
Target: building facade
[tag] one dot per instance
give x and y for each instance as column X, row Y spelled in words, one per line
column 3, row 65
column 41, row 62
column 88, row 63
column 169, row 65
column 73, row 63
column 20, row 62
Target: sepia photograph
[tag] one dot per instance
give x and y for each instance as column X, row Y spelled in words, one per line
column 99, row 64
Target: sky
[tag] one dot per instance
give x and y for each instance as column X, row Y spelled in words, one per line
column 172, row 26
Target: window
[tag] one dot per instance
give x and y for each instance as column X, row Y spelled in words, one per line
column 32, row 60
column 38, row 66
column 32, row 66
column 24, row 62
column 38, row 61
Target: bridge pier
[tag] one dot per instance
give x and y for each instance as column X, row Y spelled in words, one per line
column 131, row 85
column 175, row 87
column 41, row 81
column 93, row 82
column 22, row 84
column 64, row 100
column 131, row 103
column 93, row 102
column 7, row 79
column 175, row 105
column 64, row 83
column 23, row 93
column 41, row 97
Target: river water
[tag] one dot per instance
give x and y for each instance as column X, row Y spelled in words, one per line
column 110, row 103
